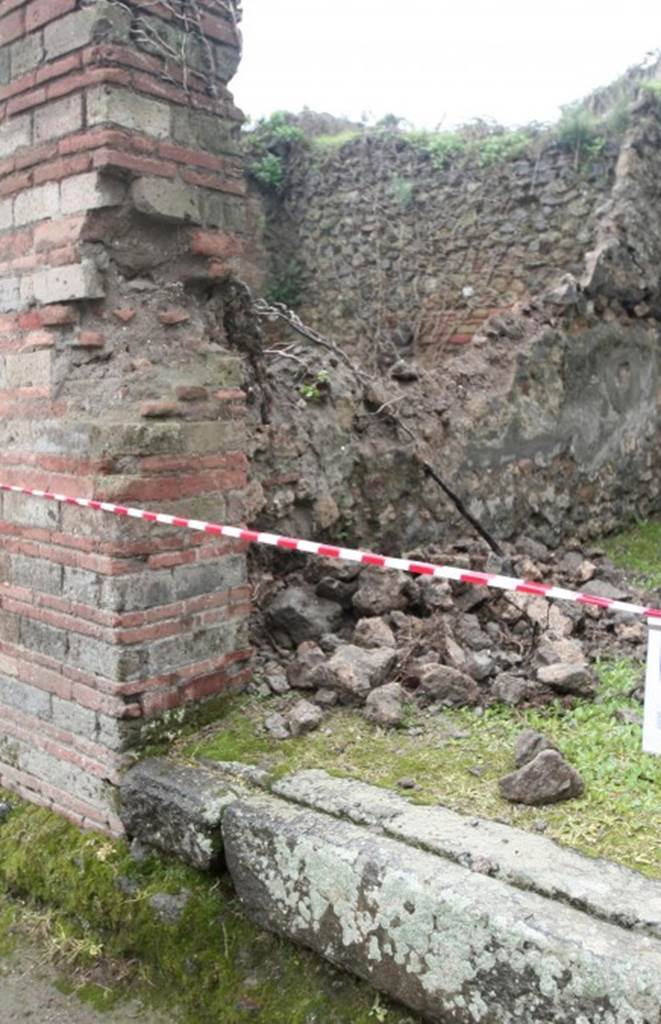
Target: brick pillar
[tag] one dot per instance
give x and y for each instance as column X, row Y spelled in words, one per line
column 122, row 218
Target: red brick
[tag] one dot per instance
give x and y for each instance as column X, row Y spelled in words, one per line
column 39, row 12
column 38, row 339
column 15, row 183
column 215, row 243
column 181, row 155
column 64, row 168
column 18, row 85
column 89, row 339
column 153, row 410
column 63, row 66
column 36, row 155
column 460, row 339
column 57, row 233
column 9, row 5
column 140, row 165
column 12, row 27
column 192, row 394
column 26, row 101
column 174, row 316
column 219, row 29
column 125, row 314
column 213, row 181
column 58, row 316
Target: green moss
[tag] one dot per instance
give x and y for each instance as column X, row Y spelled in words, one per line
column 462, row 756
column 325, row 143
column 638, row 549
column 91, row 903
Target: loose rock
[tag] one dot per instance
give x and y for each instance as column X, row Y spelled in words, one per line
column 384, row 705
column 276, row 725
column 374, row 633
column 354, row 671
column 529, row 744
column 568, row 678
column 300, row 673
column 441, row 684
column 304, row 717
column 547, row 779
column 302, row 616
column 380, row 592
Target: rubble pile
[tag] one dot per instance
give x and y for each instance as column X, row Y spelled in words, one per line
column 339, row 634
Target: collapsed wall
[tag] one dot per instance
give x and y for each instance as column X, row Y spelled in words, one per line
column 122, row 218
column 505, row 304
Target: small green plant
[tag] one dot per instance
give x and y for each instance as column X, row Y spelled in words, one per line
column 269, row 171
column 286, row 287
column 580, row 132
column 314, row 390
column 442, row 147
column 652, row 87
column 502, row 146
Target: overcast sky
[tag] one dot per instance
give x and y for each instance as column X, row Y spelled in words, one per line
column 437, row 61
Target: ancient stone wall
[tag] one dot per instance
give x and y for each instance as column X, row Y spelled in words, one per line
column 391, row 244
column 506, row 311
column 122, row 219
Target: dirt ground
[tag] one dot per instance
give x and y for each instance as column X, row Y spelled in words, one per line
column 29, row 993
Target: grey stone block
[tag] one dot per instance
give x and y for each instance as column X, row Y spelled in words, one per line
column 102, row 22
column 92, row 191
column 14, row 133
column 37, row 574
column 10, row 294
column 167, row 200
column 28, row 699
column 73, row 717
column 178, row 808
column 448, row 942
column 120, row 664
column 107, row 104
column 523, row 859
column 68, row 283
column 38, row 636
column 25, row 54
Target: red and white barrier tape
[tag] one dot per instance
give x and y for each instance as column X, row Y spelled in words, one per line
column 481, row 579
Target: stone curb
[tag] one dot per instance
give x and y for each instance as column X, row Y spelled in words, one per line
column 463, row 920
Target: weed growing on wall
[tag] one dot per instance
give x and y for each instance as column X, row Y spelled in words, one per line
column 269, row 145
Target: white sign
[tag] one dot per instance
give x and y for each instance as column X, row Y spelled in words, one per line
column 652, row 721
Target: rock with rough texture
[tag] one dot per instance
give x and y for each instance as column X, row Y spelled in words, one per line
column 380, row 592
column 450, row 943
column 276, row 726
column 441, row 684
column 568, row 677
column 303, row 616
column 529, row 744
column 177, row 808
column 340, row 591
column 5, row 810
column 300, row 674
column 354, row 671
column 511, row 689
column 304, row 717
column 384, row 705
column 325, row 698
column 546, row 779
column 374, row 632
column 552, row 650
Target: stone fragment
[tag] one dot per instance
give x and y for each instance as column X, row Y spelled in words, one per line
column 480, row 665
column 304, row 717
column 276, row 726
column 511, row 689
column 529, row 744
column 169, row 907
column 300, row 671
column 325, row 698
column 384, row 705
column 302, row 616
column 468, row 631
column 277, row 680
column 173, row 316
column 5, row 810
column 336, row 590
column 542, row 613
column 441, row 684
column 380, row 591
column 601, row 588
column 568, row 677
column 374, row 632
column 354, row 671
column 546, row 779
column 552, row 650
column 176, row 808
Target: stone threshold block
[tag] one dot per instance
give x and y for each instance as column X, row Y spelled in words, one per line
column 460, row 919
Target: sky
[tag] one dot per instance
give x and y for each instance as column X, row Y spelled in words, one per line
column 437, row 62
